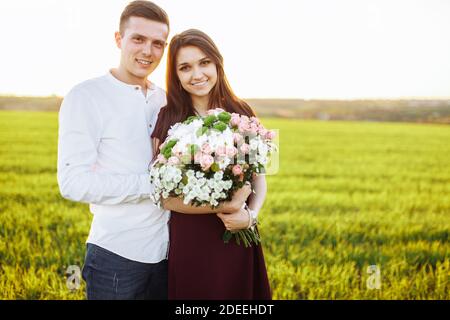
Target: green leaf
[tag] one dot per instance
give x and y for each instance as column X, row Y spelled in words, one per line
column 199, row 132
column 167, row 153
column 221, row 126
column 186, row 159
column 224, row 117
column 215, row 167
column 227, row 236
column 209, row 120
column 190, row 119
column 171, row 143
column 193, row 149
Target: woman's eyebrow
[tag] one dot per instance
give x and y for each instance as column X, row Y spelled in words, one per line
column 187, row 63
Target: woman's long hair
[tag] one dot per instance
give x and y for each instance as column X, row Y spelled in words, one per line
column 179, row 104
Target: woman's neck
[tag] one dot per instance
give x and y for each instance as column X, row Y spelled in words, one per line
column 200, row 104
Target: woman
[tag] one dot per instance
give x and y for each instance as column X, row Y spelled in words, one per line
column 201, row 265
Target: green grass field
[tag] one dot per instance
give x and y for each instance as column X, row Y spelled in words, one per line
column 348, row 195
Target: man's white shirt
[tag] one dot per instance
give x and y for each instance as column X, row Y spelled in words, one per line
column 104, row 152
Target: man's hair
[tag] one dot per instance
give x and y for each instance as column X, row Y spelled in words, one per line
column 143, row 9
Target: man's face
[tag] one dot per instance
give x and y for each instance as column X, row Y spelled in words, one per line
column 142, row 46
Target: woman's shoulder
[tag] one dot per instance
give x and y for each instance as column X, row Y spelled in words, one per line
column 161, row 123
column 163, row 114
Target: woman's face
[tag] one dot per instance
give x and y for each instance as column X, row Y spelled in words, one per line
column 197, row 72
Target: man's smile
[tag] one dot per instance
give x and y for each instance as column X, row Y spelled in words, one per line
column 144, row 62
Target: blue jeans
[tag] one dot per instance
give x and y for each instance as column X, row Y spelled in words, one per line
column 109, row 276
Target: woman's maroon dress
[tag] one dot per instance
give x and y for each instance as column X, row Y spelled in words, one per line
column 202, row 266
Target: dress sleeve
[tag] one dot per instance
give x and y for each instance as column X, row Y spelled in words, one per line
column 158, row 131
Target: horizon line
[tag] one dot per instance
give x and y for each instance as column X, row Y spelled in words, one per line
column 397, row 98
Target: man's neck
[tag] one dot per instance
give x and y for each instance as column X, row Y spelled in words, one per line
column 128, row 78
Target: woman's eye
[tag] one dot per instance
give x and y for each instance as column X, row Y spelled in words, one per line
column 205, row 62
column 184, row 68
column 138, row 39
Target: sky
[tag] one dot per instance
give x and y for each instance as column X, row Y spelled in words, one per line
column 308, row 49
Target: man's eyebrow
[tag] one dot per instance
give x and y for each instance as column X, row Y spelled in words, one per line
column 138, row 35
column 145, row 37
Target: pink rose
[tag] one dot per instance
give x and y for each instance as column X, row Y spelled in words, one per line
column 270, row 134
column 210, row 112
column 243, row 127
column 221, row 151
column 245, row 119
column 237, row 138
column 206, row 148
column 176, row 150
column 235, row 119
column 173, row 161
column 262, row 132
column 255, row 120
column 253, row 128
column 206, row 161
column 237, row 170
column 231, row 152
column 161, row 159
column 245, row 148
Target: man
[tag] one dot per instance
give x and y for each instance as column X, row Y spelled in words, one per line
column 104, row 150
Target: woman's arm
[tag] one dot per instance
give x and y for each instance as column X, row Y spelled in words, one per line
column 155, row 142
column 239, row 198
column 240, row 218
column 256, row 200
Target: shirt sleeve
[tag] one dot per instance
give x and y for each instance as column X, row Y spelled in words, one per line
column 79, row 134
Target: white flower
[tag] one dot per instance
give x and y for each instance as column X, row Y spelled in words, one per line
column 262, row 148
column 227, row 184
column 199, row 174
column 190, row 173
column 181, row 130
column 218, row 175
column 254, row 144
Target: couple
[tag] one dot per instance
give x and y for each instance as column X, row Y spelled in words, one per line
column 110, row 128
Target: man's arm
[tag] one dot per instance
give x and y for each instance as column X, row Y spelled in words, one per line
column 80, row 127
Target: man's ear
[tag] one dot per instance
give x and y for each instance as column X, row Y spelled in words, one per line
column 118, row 39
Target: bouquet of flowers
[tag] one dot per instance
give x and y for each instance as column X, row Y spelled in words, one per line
column 205, row 159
